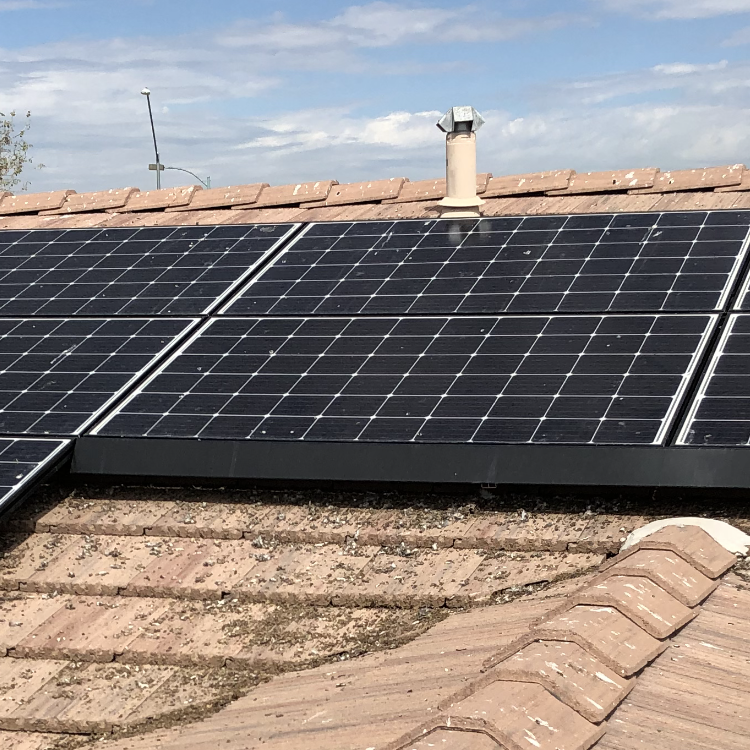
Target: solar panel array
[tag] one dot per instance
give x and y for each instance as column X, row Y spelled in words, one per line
column 535, row 379
column 84, row 313
column 680, row 262
column 577, row 330
column 145, row 271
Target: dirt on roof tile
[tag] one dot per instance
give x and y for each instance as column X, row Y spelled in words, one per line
column 361, row 192
column 432, row 190
column 536, row 182
column 32, row 203
column 605, row 182
column 160, row 199
column 223, row 197
column 293, row 195
column 102, row 200
column 695, row 179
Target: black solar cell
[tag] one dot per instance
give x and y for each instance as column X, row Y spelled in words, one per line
column 22, row 460
column 544, row 264
column 720, row 413
column 57, row 375
column 534, row 379
column 129, row 271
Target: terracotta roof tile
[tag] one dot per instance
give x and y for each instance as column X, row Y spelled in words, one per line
column 694, row 545
column 223, row 197
column 292, row 195
column 361, row 192
column 518, row 715
column 669, row 571
column 432, row 190
column 32, row 203
column 160, row 199
column 103, row 200
column 569, row 672
column 452, row 739
column 640, row 599
column 264, row 215
column 607, row 634
column 696, row 179
column 743, row 186
column 605, row 182
column 536, row 182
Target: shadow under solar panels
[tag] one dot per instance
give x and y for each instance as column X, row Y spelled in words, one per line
column 57, row 375
column 671, row 262
column 129, row 271
column 720, row 412
column 22, row 461
column 610, row 380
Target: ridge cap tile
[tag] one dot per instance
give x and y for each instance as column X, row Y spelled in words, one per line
column 222, row 197
column 692, row 543
column 31, row 203
column 606, row 181
column 529, row 183
column 516, row 715
column 148, row 200
column 577, row 625
column 667, row 569
column 572, row 675
column 694, row 179
column 292, row 194
column 649, row 606
column 366, row 191
column 96, row 201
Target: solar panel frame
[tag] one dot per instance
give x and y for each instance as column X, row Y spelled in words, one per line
column 42, row 380
column 711, row 225
column 726, row 372
column 39, row 456
column 150, row 269
column 204, row 400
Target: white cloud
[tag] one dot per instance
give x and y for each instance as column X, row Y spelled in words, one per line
column 8, row 5
column 684, row 9
column 385, row 24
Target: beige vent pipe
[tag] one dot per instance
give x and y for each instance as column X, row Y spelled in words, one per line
column 460, row 125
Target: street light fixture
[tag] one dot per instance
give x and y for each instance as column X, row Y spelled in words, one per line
column 158, row 167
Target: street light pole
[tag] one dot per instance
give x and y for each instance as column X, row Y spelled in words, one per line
column 158, row 167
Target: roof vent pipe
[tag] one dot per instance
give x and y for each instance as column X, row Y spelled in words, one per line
column 460, row 125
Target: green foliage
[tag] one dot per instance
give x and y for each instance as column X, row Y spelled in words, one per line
column 14, row 150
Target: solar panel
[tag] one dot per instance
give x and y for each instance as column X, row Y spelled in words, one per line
column 720, row 411
column 531, row 379
column 57, row 375
column 22, row 461
column 129, row 271
column 671, row 262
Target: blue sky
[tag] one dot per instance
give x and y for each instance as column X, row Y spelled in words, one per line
column 289, row 91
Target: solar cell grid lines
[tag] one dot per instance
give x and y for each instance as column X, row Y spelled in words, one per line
column 720, row 412
column 485, row 379
column 21, row 460
column 57, row 375
column 672, row 262
column 129, row 271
